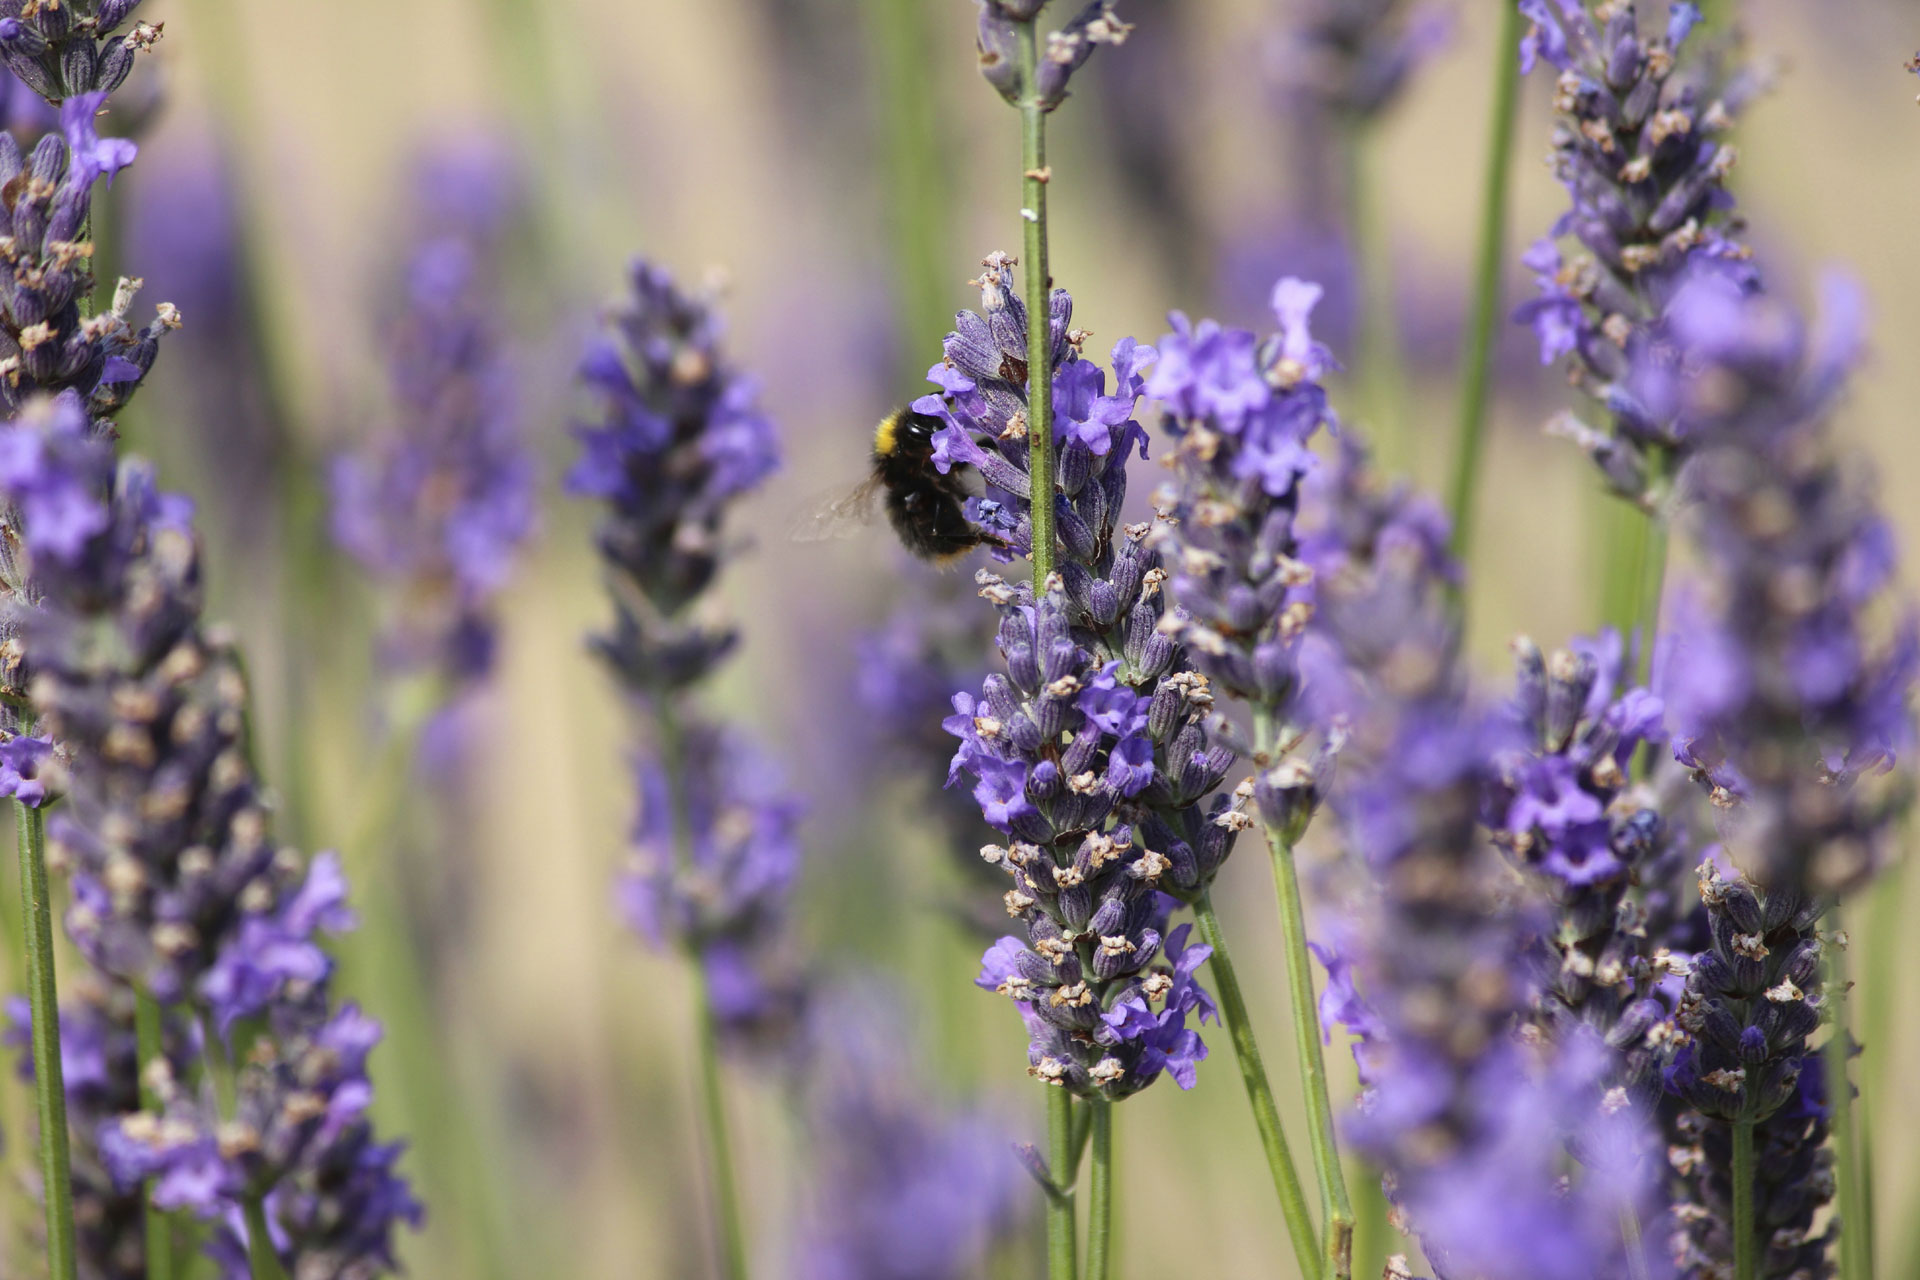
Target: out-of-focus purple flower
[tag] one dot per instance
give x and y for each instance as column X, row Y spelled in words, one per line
column 21, row 757
column 1472, row 1121
column 675, row 436
column 440, row 504
column 300, row 1137
column 902, row 1187
column 100, row 1070
column 1791, row 689
column 1088, row 749
column 1640, row 148
column 1349, row 59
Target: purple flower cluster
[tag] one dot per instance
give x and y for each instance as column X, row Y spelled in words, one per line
column 1470, row 1117
column 677, row 437
column 1062, row 53
column 1791, row 674
column 64, row 51
column 300, row 1140
column 178, row 887
column 48, row 343
column 1088, row 750
column 1243, row 414
column 904, row 1187
column 1640, row 147
column 99, row 1067
column 442, row 502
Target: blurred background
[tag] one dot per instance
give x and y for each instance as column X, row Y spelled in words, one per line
column 842, row 166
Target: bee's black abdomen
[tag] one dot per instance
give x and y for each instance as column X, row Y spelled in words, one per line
column 924, row 504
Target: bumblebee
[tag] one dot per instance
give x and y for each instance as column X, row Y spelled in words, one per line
column 924, row 504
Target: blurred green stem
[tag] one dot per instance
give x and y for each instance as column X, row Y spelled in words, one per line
column 1476, row 375
column 1253, row 1074
column 1855, row 1258
column 1381, row 355
column 1745, row 1238
column 1038, row 281
column 713, row 1102
column 148, row 1050
column 917, row 183
column 1063, row 1165
column 49, row 1090
column 1370, row 1227
column 1100, row 1193
column 1334, row 1202
column 1635, row 1242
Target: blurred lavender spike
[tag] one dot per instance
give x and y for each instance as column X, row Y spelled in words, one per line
column 179, row 888
column 1471, row 1119
column 440, row 504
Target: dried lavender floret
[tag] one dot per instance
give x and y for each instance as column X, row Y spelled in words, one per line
column 1061, row 53
column 63, row 49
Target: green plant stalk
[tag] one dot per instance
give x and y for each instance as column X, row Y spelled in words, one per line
column 1652, row 577
column 1253, row 1074
column 713, row 1103
column 1476, row 375
column 1335, row 1203
column 1037, row 280
column 148, row 1050
column 1371, row 1232
column 1854, row 1257
column 1746, row 1242
column 1630, row 1235
column 1100, row 1194
column 1381, row 355
column 1063, row 1165
column 918, row 188
column 49, row 1090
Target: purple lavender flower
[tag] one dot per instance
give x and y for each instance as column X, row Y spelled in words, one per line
column 1063, row 52
column 1791, row 698
column 1088, row 750
column 300, row 1139
column 48, row 344
column 73, row 49
column 1351, row 58
column 100, row 1070
column 1638, row 148
column 440, row 505
column 903, row 1187
column 1471, row 1118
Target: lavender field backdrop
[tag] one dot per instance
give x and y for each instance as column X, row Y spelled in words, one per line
column 500, row 756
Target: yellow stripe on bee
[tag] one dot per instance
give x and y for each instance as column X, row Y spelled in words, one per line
column 885, row 435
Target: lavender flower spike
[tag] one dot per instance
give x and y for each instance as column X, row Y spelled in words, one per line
column 441, row 505
column 1640, row 147
column 72, row 49
column 1471, row 1117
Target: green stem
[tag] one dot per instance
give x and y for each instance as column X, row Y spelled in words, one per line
column 1476, row 376
column 262, row 1260
column 1253, row 1074
column 1038, row 282
column 49, row 1090
column 1746, row 1240
column 1381, row 355
column 1313, row 1065
column 1100, row 1194
column 1063, row 1163
column 1854, row 1263
column 149, row 1049
column 917, row 180
column 713, row 1102
column 1635, row 1243
column 1652, row 576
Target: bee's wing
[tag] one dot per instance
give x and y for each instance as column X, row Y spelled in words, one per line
column 838, row 515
